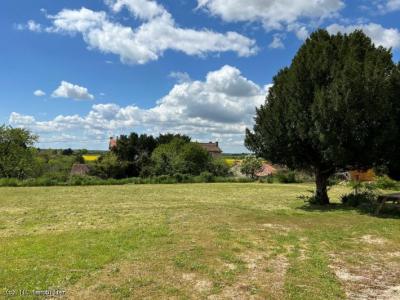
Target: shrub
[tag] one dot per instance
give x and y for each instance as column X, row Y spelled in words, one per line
column 165, row 179
column 8, row 182
column 270, row 179
column 385, row 183
column 251, row 165
column 108, row 166
column 286, row 177
column 182, row 178
column 219, row 167
column 365, row 200
column 206, row 177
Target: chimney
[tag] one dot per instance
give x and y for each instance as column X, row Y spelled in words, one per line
column 216, row 143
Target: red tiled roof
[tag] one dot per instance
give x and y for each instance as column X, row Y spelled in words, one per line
column 266, row 170
column 113, row 143
column 211, row 147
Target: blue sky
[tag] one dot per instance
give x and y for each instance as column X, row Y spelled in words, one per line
column 76, row 72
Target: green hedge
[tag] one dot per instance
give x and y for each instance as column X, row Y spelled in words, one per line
column 88, row 180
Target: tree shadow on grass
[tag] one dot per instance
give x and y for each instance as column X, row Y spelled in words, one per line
column 391, row 211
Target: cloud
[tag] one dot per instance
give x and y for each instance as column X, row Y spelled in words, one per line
column 386, row 37
column 72, row 91
column 147, row 42
column 30, row 25
column 181, row 77
column 142, row 9
column 21, row 120
column 393, row 5
column 220, row 107
column 386, row 6
column 277, row 41
column 273, row 14
column 39, row 93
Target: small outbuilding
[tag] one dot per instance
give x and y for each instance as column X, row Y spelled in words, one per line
column 212, row 148
column 80, row 170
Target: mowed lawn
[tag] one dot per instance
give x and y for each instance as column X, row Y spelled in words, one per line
column 194, row 241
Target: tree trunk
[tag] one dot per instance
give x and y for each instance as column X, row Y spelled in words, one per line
column 321, row 180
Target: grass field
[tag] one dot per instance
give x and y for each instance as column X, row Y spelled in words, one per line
column 194, row 241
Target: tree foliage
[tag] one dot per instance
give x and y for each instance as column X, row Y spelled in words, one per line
column 180, row 156
column 109, row 166
column 136, row 151
column 330, row 109
column 129, row 148
column 251, row 165
column 68, row 151
column 16, row 152
column 393, row 164
column 168, row 137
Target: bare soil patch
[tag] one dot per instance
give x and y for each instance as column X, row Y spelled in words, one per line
column 379, row 280
column 373, row 240
column 263, row 279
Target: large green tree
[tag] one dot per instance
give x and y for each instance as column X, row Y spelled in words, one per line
column 393, row 164
column 331, row 109
column 16, row 152
column 136, row 150
column 180, row 156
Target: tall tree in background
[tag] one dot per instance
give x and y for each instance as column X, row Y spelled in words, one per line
column 136, row 150
column 168, row 137
column 180, row 156
column 16, row 152
column 330, row 110
column 129, row 148
column 133, row 147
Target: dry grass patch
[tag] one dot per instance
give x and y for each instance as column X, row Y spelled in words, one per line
column 379, row 279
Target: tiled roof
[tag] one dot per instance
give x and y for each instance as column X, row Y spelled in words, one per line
column 266, row 170
column 80, row 169
column 211, row 147
column 113, row 143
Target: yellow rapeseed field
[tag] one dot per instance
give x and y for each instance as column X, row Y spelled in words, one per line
column 91, row 157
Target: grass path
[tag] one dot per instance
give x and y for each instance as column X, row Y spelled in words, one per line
column 195, row 241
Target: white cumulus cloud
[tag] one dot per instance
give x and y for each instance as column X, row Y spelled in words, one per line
column 142, row 9
column 386, row 37
column 220, row 108
column 156, row 34
column 386, row 6
column 180, row 76
column 393, row 5
column 39, row 93
column 277, row 41
column 273, row 14
column 31, row 25
column 72, row 91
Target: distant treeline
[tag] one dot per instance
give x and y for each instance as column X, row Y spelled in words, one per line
column 134, row 155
